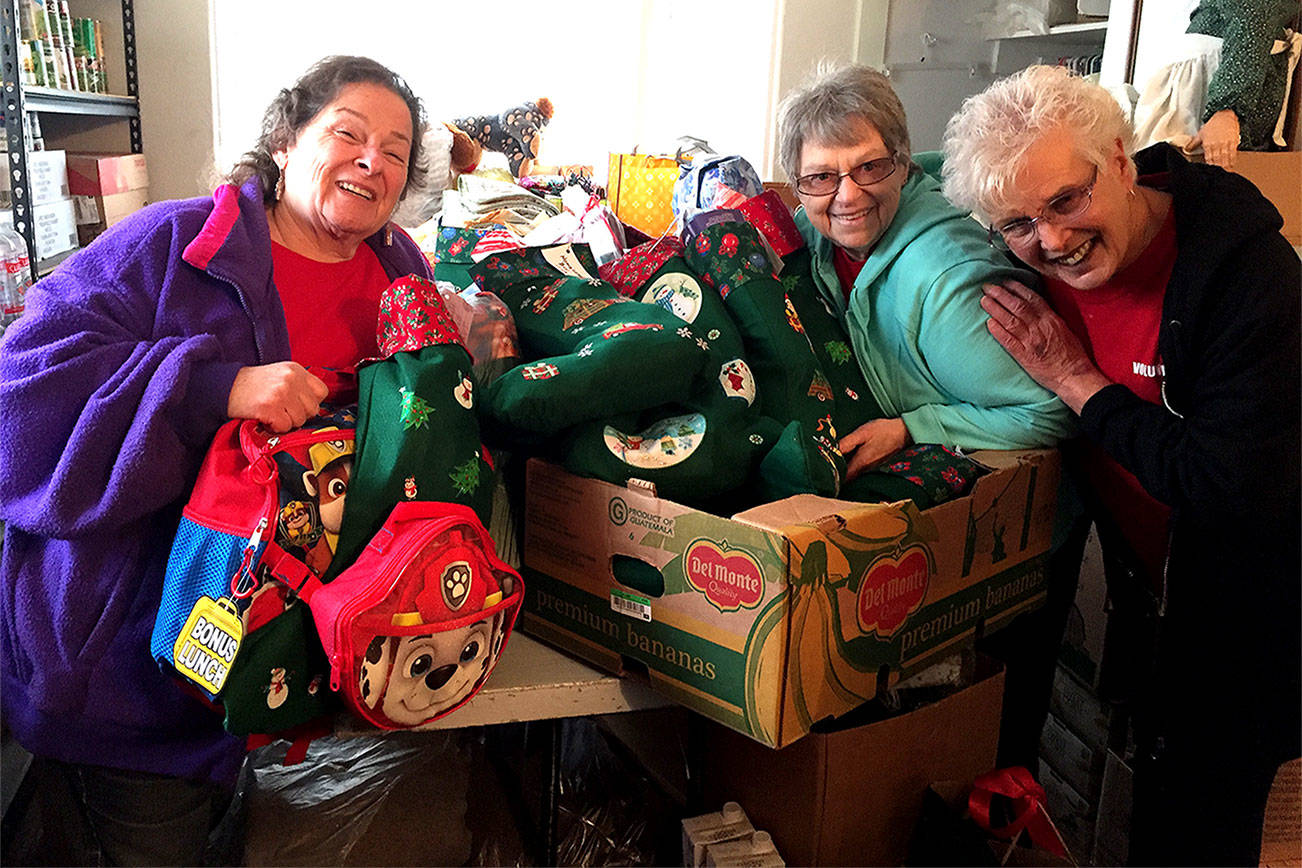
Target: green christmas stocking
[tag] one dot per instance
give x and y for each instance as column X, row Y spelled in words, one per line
column 417, row 433
column 853, row 403
column 592, row 352
column 792, row 386
column 707, row 443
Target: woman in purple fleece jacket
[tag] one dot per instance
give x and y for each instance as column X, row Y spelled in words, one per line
column 130, row 356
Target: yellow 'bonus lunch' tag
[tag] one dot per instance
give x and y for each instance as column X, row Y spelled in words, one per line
column 207, row 645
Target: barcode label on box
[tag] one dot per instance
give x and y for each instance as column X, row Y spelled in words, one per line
column 630, row 604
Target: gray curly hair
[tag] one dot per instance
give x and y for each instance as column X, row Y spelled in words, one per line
column 824, row 108
column 987, row 139
column 295, row 107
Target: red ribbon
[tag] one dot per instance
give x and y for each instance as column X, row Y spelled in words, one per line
column 1015, row 783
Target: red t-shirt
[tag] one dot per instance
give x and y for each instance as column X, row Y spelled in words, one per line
column 847, row 269
column 1118, row 324
column 331, row 308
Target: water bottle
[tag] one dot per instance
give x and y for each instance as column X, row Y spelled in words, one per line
column 17, row 274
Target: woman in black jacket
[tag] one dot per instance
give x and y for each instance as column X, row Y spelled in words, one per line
column 1170, row 324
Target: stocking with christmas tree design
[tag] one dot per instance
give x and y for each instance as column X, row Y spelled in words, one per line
column 417, row 432
column 731, row 259
column 853, row 402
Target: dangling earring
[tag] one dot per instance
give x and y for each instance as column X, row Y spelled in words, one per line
column 280, row 185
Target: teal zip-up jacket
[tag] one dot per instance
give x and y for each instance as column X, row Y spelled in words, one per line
column 917, row 328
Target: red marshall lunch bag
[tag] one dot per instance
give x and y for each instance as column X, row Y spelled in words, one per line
column 415, row 625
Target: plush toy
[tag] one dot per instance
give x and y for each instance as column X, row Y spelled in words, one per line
column 516, row 132
column 448, row 152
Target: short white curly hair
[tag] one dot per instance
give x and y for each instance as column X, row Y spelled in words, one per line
column 986, row 140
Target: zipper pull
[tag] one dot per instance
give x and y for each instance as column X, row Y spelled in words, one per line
column 242, row 583
column 336, row 663
column 257, row 534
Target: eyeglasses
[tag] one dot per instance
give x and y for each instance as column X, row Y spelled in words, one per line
column 1066, row 205
column 864, row 174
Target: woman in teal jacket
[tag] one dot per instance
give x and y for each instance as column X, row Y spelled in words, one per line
column 904, row 269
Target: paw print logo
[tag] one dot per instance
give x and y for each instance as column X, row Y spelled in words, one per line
column 456, row 584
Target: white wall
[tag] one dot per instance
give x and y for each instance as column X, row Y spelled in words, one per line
column 716, row 69
column 710, row 68
column 934, row 76
column 621, row 74
column 173, row 59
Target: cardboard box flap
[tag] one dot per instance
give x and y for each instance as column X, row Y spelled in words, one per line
column 998, row 459
column 801, row 509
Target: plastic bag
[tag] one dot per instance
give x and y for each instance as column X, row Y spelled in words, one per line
column 397, row 799
column 1007, row 17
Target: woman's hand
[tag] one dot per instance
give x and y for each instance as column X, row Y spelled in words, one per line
column 1039, row 340
column 282, row 395
column 868, row 444
column 1220, row 139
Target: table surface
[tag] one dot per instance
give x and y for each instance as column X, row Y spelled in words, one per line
column 534, row 681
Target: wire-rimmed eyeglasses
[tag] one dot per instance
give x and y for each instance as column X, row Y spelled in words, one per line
column 1066, row 205
column 864, row 174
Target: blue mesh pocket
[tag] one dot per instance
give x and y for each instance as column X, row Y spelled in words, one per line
column 201, row 564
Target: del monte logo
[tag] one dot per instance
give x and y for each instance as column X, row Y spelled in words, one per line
column 729, row 578
column 893, row 588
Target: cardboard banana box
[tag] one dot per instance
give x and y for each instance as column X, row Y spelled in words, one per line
column 791, row 612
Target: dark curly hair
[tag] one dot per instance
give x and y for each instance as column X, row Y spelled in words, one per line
column 295, row 107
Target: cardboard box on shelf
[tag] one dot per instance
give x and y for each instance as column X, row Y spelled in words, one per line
column 55, row 227
column 47, row 172
column 1278, row 175
column 789, row 613
column 1112, row 824
column 97, row 213
column 1073, row 814
column 1099, row 724
column 105, row 174
column 1069, row 756
column 1082, row 644
column 853, row 797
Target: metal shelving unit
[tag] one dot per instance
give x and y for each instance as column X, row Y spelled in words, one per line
column 19, row 99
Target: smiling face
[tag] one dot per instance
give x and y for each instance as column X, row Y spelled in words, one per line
column 346, row 168
column 431, row 673
column 853, row 218
column 1087, row 250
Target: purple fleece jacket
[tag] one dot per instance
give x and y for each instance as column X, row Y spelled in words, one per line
column 111, row 388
